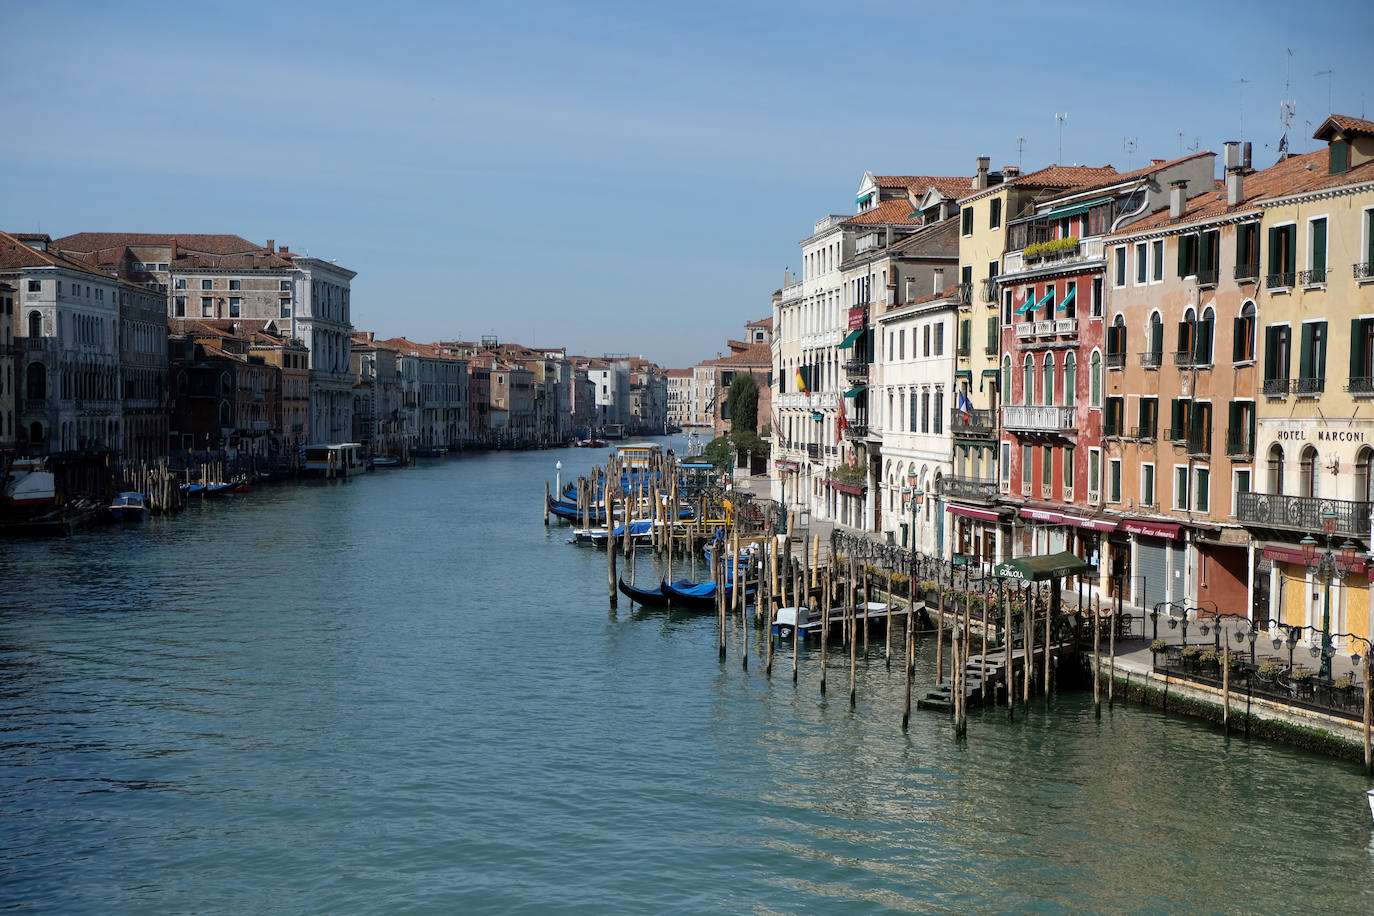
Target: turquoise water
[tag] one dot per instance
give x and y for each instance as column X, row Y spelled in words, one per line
column 403, row 693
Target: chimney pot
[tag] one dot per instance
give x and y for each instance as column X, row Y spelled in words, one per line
column 1231, row 156
column 1011, row 171
column 1235, row 186
column 980, row 181
column 1178, row 191
column 271, row 246
column 176, row 249
column 1157, row 162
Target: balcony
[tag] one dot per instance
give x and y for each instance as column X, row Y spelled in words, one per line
column 1280, row 281
column 1116, row 360
column 1184, row 358
column 991, row 349
column 962, row 350
column 969, row 488
column 989, row 289
column 1207, row 277
column 1151, row 360
column 1362, row 387
column 856, row 431
column 976, row 422
column 1276, row 387
column 1199, row 442
column 1044, row 329
column 33, row 405
column 856, row 368
column 1314, row 277
column 1025, row 330
column 36, row 344
column 1247, row 273
column 1240, row 444
column 1364, row 270
column 1066, row 327
column 963, row 292
column 813, row 451
column 1309, row 387
column 1142, row 433
column 1089, row 250
column 828, row 222
column 791, row 294
column 1042, row 419
column 1302, row 513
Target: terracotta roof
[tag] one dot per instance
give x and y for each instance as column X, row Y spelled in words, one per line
column 1294, row 175
column 761, row 323
column 15, row 254
column 260, row 259
column 889, row 211
column 921, row 300
column 750, row 356
column 1063, row 176
column 1141, row 172
column 679, row 373
column 921, row 182
column 1345, row 124
column 204, row 244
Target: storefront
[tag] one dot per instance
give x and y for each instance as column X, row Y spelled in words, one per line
column 1152, row 558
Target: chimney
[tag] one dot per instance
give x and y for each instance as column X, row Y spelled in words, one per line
column 1177, row 195
column 271, row 246
column 284, row 249
column 1157, row 161
column 1010, row 172
column 981, row 181
column 1245, row 155
column 176, row 249
column 1235, row 174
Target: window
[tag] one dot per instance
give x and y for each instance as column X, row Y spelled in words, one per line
column 1119, row 266
column 940, row 339
column 1114, row 480
column 1312, row 358
column 901, row 343
column 1187, row 335
column 1025, row 468
column 1147, row 485
column 207, row 307
column 966, row 222
column 1149, row 419
column 1046, row 468
column 1094, row 474
column 207, row 284
column 1181, row 488
column 965, row 336
column 1282, row 257
column 1202, row 341
column 1068, row 472
column 1339, row 153
column 925, row 411
column 1243, row 335
column 235, row 284
column 1276, row 469
column 1113, row 421
column 1028, row 381
column 1277, row 358
column 286, row 308
column 995, row 213
column 1095, row 380
column 936, row 423
column 1070, row 382
column 1241, row 476
column 1006, row 465
column 1157, row 260
column 1364, row 486
column 1187, row 255
column 179, row 307
column 1116, row 343
column 1047, row 385
column 1096, row 310
column 1070, row 304
column 235, row 306
column 1202, row 482
column 1316, row 251
column 1361, row 356
column 35, row 286
column 1307, row 473
column 284, row 286
column 1247, row 251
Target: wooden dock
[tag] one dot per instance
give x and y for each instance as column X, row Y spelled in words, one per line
column 986, row 676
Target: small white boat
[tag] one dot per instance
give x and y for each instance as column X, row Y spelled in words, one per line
column 1370, row 795
column 785, row 621
column 29, row 484
column 130, row 506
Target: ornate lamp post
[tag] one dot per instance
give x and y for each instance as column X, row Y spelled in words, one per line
column 1328, row 564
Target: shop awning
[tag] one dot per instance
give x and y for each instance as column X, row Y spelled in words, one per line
column 1043, row 515
column 1073, row 291
column 1041, row 569
column 965, row 374
column 986, row 515
column 1150, row 529
column 1092, row 524
column 851, row 337
column 856, row 391
column 1290, row 555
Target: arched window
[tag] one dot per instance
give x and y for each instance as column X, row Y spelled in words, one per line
column 1005, row 393
column 1187, row 329
column 1243, row 342
column 1070, row 379
column 1047, row 389
column 1028, row 381
column 1276, row 469
column 36, row 381
column 1095, row 380
column 938, row 420
column 1307, row 473
column 224, row 413
column 1156, row 352
column 35, row 324
column 1116, row 343
column 1362, row 481
column 1202, row 345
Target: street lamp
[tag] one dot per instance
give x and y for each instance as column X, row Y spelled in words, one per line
column 1328, row 564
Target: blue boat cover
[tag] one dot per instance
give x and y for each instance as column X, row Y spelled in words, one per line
column 704, row 590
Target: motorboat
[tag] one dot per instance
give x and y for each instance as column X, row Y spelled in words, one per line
column 130, row 506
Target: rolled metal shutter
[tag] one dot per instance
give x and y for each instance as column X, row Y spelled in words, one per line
column 1151, row 572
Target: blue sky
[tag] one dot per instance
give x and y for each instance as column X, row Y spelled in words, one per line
column 613, row 177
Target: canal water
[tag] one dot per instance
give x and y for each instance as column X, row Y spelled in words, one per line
column 403, row 693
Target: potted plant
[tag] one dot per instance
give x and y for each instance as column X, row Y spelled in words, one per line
column 1158, row 646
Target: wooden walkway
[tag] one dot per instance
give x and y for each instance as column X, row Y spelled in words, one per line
column 988, row 671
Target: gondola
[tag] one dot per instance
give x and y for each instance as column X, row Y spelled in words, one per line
column 698, row 594
column 648, row 597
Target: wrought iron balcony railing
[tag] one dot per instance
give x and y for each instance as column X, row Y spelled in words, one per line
column 1280, row 280
column 1239, row 443
column 1364, row 270
column 1116, row 360
column 1247, row 273
column 977, row 422
column 1316, row 276
column 1151, row 360
column 856, row 430
column 1277, row 387
column 990, row 289
column 1207, row 277
column 1302, row 513
column 1361, row 387
column 1309, row 387
column 973, row 488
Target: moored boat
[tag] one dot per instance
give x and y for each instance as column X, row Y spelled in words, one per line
column 29, row 484
column 130, row 506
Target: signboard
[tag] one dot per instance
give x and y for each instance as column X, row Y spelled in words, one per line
column 857, row 318
column 1150, row 529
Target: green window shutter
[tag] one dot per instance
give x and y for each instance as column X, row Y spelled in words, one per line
column 1305, row 354
column 1237, row 339
column 993, row 333
column 965, row 332
column 1250, row 415
column 1205, row 259
column 1291, row 248
column 1175, row 417
column 1273, row 251
column 1369, row 236
column 1356, row 350
column 1240, row 245
column 1183, row 255
column 1318, row 245
column 1233, row 421
column 1157, row 339
column 1202, row 342
column 1340, row 156
column 1271, row 341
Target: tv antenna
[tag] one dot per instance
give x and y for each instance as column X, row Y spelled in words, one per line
column 1180, row 143
column 1020, row 145
column 1129, row 144
column 1061, row 117
column 1287, row 108
column 1328, row 74
column 1243, row 81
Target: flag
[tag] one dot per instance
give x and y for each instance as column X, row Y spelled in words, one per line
column 840, row 421
column 962, row 402
column 801, row 382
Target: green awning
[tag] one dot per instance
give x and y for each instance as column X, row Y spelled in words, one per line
column 963, row 373
column 1041, row 569
column 992, row 372
column 1075, row 209
column 856, row 391
column 1073, row 291
column 851, row 337
column 818, row 416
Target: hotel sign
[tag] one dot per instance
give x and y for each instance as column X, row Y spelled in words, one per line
column 1322, row 435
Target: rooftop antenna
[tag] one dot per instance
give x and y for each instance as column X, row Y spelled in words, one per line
column 1197, row 145
column 1061, row 117
column 1287, row 109
column 1327, row 74
column 1243, row 81
column 1180, row 143
column 1020, row 145
column 1129, row 144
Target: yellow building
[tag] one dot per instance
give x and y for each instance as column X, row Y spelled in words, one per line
column 1315, row 434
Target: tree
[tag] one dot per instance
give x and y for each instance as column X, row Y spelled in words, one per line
column 742, row 402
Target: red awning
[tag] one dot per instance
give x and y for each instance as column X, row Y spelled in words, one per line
column 1092, row 524
column 1289, row 555
column 1150, row 529
column 1043, row 515
column 986, row 515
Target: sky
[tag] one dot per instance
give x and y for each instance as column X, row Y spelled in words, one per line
column 611, row 177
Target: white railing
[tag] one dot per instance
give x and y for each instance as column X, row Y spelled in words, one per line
column 1025, row 329
column 1044, row 329
column 1089, row 250
column 791, row 293
column 1042, row 418
column 868, row 242
column 827, row 222
column 1066, row 326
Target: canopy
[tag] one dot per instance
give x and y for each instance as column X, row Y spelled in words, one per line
column 1075, row 209
column 856, row 391
column 1041, row 569
column 851, row 337
column 1073, row 291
